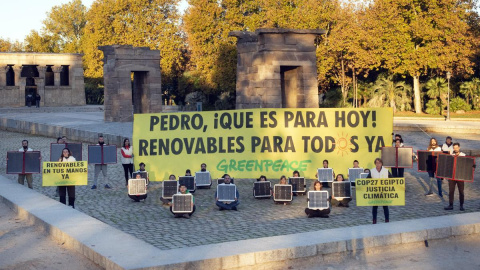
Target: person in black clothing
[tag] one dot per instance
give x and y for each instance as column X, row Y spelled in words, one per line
column 37, row 100
column 398, row 172
column 311, row 213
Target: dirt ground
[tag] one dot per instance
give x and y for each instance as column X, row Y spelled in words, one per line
column 24, row 247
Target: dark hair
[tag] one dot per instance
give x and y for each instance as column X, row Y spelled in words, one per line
column 182, row 184
column 24, row 141
column 356, row 161
column 366, row 170
column 378, row 159
column 171, row 176
column 296, row 172
column 188, row 171
column 124, row 140
column 456, row 144
column 203, row 164
column 59, row 138
column 100, row 135
column 262, row 176
column 315, row 183
column 325, row 161
column 69, row 153
column 141, row 163
column 448, row 137
column 398, row 135
column 399, row 140
column 225, row 175
column 338, row 176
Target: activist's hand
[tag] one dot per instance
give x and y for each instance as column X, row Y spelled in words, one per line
column 132, row 155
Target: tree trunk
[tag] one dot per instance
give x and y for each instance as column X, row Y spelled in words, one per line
column 416, row 94
column 343, row 83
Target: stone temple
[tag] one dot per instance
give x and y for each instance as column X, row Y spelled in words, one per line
column 276, row 68
column 56, row 77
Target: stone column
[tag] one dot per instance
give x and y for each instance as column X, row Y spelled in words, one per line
column 19, row 89
column 56, row 75
column 40, row 82
column 3, row 76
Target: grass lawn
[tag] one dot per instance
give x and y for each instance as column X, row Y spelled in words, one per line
column 470, row 114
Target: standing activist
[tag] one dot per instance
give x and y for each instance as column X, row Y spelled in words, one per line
column 379, row 172
column 433, row 147
column 447, row 147
column 127, row 160
column 452, row 183
column 100, row 167
column 62, row 190
column 21, row 177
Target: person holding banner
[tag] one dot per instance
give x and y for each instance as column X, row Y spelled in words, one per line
column 447, row 147
column 227, row 205
column 62, row 190
column 168, row 201
column 356, row 164
column 263, row 178
column 311, row 213
column 100, row 167
column 398, row 172
column 127, row 161
column 343, row 202
column 433, row 147
column 183, row 190
column 379, row 172
column 452, row 183
column 188, row 172
column 21, row 177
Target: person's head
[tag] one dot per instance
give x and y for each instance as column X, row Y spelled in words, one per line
column 138, row 176
column 64, row 138
column 433, row 143
column 325, row 163
column 203, row 167
column 296, row 174
column 262, row 178
column 66, row 153
column 172, row 177
column 456, row 147
column 448, row 140
column 398, row 142
column 398, row 136
column 126, row 142
column 188, row 172
column 142, row 166
column 25, row 144
column 355, row 164
column 283, row 180
column 340, row 177
column 227, row 179
column 60, row 140
column 366, row 171
column 101, row 140
column 317, row 186
column 378, row 163
column 182, row 188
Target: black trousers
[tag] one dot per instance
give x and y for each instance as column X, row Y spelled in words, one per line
column 62, row 190
column 190, row 214
column 128, row 170
column 317, row 213
column 385, row 212
column 398, row 172
column 451, row 191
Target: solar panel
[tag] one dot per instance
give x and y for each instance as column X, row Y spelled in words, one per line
column 283, row 193
column 363, row 175
column 14, row 162
column 389, row 156
column 102, row 155
column 226, row 192
column 342, row 190
column 445, row 166
column 202, row 179
column 262, row 189
column 464, row 170
column 188, row 181
column 32, row 162
column 298, row 184
column 182, row 203
column 137, row 186
column 170, row 187
column 404, row 157
column 325, row 174
column 423, row 160
column 318, row 200
column 221, row 181
column 354, row 173
column 57, row 148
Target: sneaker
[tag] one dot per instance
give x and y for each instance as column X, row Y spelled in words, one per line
column 186, row 216
column 461, row 208
column 429, row 194
column 234, row 208
column 220, row 209
column 94, row 187
column 440, row 195
column 450, row 207
column 374, row 221
column 387, row 221
column 107, row 186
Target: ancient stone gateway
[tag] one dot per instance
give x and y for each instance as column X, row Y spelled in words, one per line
column 56, row 77
column 276, row 68
column 132, row 82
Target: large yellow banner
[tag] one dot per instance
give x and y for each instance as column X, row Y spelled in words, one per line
column 253, row 142
column 65, row 173
column 380, row 192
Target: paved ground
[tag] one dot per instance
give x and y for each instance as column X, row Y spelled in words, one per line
column 22, row 246
column 154, row 223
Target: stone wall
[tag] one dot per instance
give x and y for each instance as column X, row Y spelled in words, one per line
column 56, row 95
column 119, row 62
column 276, row 68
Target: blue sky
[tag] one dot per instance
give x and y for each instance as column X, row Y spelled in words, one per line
column 19, row 17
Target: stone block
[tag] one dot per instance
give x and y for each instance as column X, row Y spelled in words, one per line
column 277, row 39
column 375, row 241
column 331, row 247
column 412, row 237
column 439, row 233
column 463, row 229
column 241, row 260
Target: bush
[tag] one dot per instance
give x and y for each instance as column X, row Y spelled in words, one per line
column 226, row 101
column 432, row 107
column 458, row 103
column 94, row 91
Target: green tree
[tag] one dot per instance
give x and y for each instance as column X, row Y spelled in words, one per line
column 390, row 93
column 471, row 91
column 437, row 89
column 417, row 36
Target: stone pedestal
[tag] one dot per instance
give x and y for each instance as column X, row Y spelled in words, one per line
column 276, row 68
column 124, row 97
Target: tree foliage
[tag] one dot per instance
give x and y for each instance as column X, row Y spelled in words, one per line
column 437, row 89
column 386, row 92
column 6, row 45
